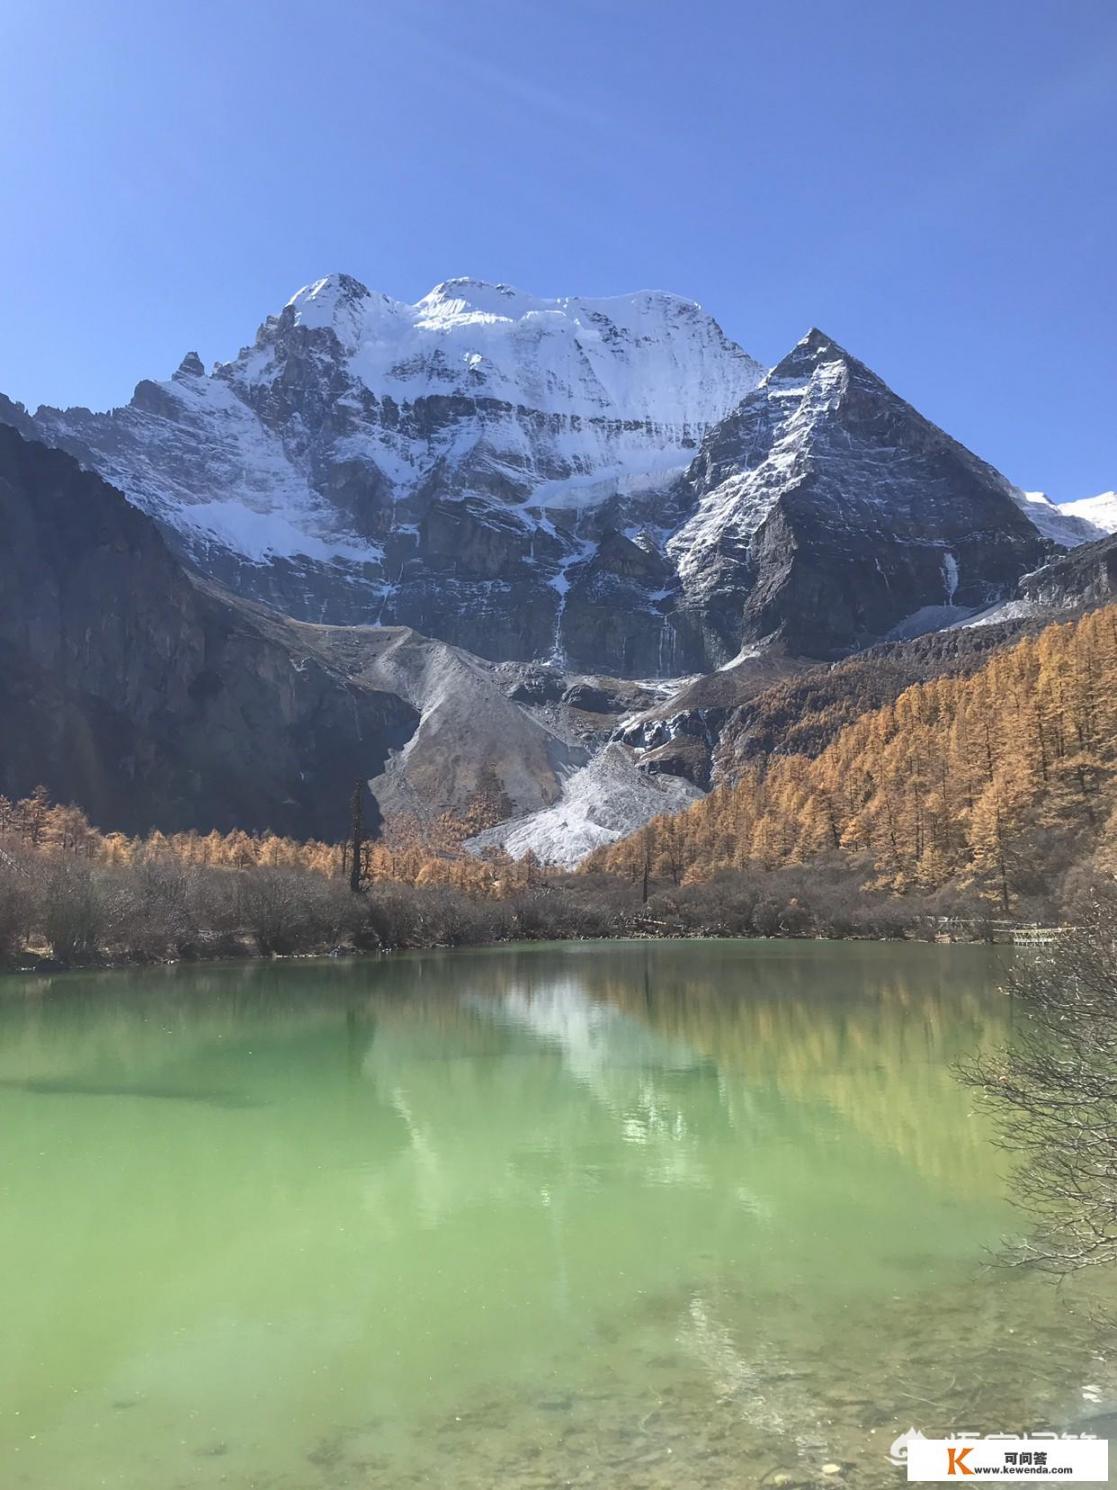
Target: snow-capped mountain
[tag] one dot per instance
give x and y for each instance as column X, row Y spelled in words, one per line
column 1090, row 514
column 433, row 464
column 1082, row 521
column 829, row 512
column 613, row 484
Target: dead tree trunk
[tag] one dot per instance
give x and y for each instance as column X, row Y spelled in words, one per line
column 356, row 840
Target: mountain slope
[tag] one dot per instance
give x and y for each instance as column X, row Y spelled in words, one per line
column 1086, row 576
column 152, row 701
column 828, row 512
column 155, row 699
column 440, row 465
column 470, row 733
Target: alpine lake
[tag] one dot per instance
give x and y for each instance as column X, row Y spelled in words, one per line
column 627, row 1214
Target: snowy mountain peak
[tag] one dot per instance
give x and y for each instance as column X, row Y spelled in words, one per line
column 817, row 346
column 647, row 358
column 814, row 352
column 823, row 458
column 1100, row 511
column 468, row 297
column 191, row 367
column 633, row 319
column 443, row 463
column 321, row 299
column 338, row 303
column 1067, row 523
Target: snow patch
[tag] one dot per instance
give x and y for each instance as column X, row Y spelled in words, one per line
column 1006, row 610
column 1100, row 511
column 600, row 803
column 744, row 655
column 1068, row 529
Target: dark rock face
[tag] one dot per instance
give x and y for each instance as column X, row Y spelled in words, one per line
column 686, row 756
column 150, row 700
column 828, row 512
column 589, row 697
column 1085, row 576
column 534, row 684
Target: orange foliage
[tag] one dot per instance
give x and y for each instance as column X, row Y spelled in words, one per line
column 983, row 780
column 410, row 852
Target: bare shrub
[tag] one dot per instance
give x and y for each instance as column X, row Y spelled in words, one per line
column 1054, row 1092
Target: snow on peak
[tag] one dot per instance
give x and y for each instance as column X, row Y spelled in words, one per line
column 318, row 302
column 1099, row 511
column 1067, row 525
column 470, row 298
column 491, row 391
column 818, row 344
column 343, row 305
column 646, row 357
column 466, row 298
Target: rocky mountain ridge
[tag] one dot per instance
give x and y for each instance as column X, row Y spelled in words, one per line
column 829, row 512
column 611, row 485
column 441, row 465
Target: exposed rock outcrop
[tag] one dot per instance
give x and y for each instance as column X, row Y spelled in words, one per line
column 829, row 510
column 1085, row 576
column 150, row 699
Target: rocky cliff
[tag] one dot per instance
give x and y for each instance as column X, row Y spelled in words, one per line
column 1084, row 577
column 829, row 513
column 148, row 698
column 154, row 698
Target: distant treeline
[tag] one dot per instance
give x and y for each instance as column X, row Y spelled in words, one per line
column 412, row 851
column 74, row 895
column 73, row 909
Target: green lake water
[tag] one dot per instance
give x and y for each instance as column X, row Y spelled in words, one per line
column 597, row 1214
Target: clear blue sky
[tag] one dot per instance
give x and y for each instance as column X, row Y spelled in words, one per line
column 932, row 184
